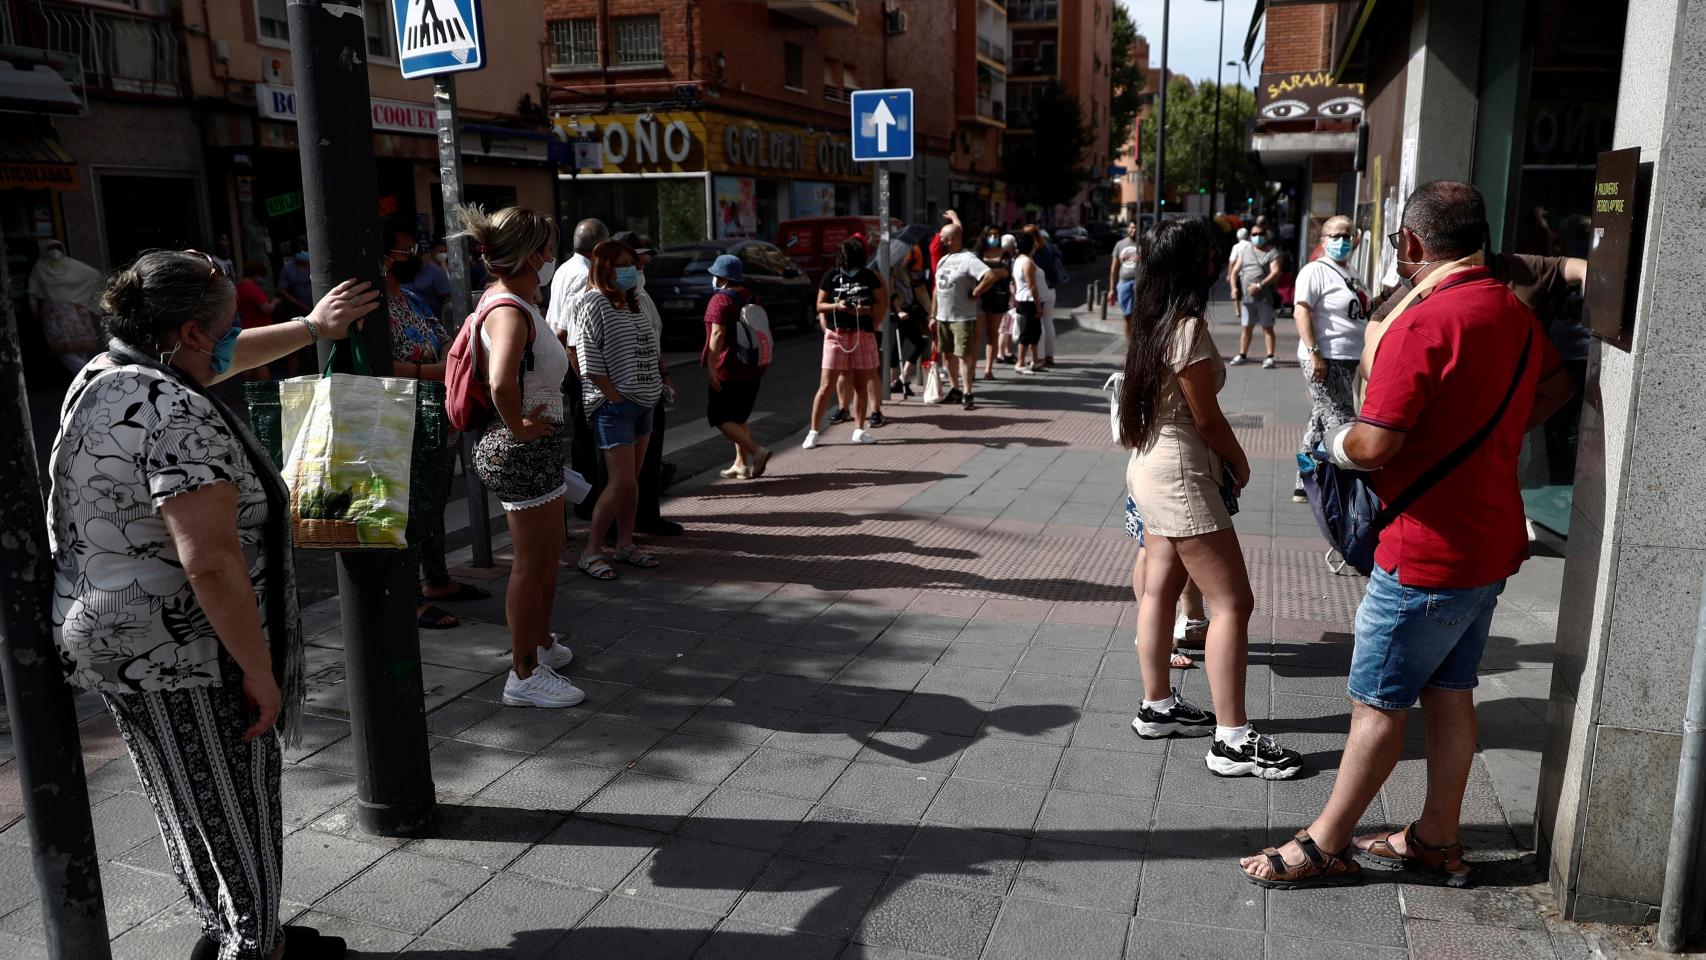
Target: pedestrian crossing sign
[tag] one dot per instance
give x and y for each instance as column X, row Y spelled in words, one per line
column 438, row 36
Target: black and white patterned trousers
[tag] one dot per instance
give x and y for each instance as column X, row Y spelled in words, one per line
column 1332, row 403
column 217, row 800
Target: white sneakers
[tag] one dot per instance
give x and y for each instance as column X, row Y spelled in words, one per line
column 546, row 688
column 811, row 440
column 557, row 656
column 863, row 436
column 1269, row 364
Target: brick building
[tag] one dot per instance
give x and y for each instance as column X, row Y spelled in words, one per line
column 713, row 118
column 1066, row 41
column 1305, row 130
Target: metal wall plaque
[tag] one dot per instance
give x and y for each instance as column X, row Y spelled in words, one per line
column 1614, row 257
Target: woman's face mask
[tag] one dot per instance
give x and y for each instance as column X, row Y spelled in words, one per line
column 1337, row 247
column 223, row 349
column 627, row 277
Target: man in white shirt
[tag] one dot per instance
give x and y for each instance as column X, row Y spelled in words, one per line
column 571, row 281
column 961, row 277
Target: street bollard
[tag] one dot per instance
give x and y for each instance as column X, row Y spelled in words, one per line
column 376, row 589
column 38, row 700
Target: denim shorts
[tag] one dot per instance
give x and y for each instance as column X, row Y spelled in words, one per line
column 619, row 424
column 1408, row 638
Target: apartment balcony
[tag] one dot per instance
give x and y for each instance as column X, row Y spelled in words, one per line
column 120, row 52
column 818, row 13
column 1033, row 11
column 993, row 52
column 1023, row 67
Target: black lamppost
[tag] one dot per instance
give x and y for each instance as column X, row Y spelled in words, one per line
column 1214, row 156
column 1161, row 118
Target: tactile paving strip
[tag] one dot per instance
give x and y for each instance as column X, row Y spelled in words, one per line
column 1304, row 589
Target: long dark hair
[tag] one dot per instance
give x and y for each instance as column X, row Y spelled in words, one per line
column 850, row 256
column 1177, row 269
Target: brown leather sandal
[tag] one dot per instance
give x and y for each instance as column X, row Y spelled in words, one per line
column 1443, row 865
column 1319, row 870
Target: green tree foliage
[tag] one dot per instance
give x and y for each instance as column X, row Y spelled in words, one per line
column 1190, row 141
column 1125, row 82
column 1049, row 166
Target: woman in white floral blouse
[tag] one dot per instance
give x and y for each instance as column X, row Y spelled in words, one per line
column 173, row 592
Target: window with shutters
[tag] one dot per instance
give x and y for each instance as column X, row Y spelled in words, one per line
column 271, row 21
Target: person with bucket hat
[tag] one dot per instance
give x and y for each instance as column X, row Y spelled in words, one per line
column 731, row 381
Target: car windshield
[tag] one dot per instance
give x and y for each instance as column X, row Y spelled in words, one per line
column 681, row 263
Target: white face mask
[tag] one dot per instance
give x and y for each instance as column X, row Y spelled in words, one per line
column 640, row 280
column 54, row 253
column 546, row 269
column 442, row 257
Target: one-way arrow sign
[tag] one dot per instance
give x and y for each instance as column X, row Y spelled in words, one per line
column 882, row 125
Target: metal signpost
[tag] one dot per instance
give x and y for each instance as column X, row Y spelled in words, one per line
column 438, row 39
column 882, row 131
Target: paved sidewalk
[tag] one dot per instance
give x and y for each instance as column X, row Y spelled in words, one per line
column 877, row 705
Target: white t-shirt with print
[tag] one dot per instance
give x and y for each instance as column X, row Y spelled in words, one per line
column 956, row 276
column 1338, row 309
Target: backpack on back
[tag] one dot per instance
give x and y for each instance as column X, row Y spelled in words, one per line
column 467, row 394
column 754, row 345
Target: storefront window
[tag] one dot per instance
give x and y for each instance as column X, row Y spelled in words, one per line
column 670, row 210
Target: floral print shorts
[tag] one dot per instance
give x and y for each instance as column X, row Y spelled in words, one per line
column 522, row 475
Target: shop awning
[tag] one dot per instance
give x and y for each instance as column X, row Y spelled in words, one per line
column 36, row 163
column 41, row 82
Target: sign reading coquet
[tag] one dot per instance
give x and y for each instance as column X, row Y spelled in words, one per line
column 397, row 116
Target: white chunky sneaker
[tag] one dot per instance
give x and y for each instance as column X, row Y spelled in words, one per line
column 544, row 689
column 863, row 436
column 811, row 440
column 557, row 656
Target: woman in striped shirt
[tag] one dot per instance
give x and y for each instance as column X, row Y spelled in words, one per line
column 617, row 350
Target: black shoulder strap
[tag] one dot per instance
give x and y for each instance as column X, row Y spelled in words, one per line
column 1439, row 471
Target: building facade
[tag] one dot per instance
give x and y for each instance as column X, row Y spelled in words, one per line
column 1305, row 131
column 714, row 119
column 1065, row 42
column 239, row 74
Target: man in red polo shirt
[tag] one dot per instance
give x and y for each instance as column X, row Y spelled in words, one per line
column 1440, row 373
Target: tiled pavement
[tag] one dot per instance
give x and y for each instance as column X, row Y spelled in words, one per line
column 876, row 705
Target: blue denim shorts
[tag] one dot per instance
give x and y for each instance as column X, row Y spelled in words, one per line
column 1408, row 638
column 619, row 424
column 1133, row 521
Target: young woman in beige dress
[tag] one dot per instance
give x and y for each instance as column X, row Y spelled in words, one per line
column 1185, row 463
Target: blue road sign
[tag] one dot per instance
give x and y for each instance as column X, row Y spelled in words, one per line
column 438, row 36
column 882, row 125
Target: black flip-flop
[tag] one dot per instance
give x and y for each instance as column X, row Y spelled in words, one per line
column 432, row 617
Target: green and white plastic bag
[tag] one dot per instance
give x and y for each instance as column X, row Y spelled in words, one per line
column 347, row 442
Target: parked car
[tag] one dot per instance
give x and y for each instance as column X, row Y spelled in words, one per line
column 811, row 242
column 1075, row 244
column 680, row 286
column 1104, row 235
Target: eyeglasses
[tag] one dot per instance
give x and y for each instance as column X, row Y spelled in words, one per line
column 1395, row 237
column 1342, row 235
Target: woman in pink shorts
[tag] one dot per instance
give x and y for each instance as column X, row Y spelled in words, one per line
column 851, row 301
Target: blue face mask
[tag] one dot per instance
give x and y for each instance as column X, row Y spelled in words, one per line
column 301, row 256
column 1338, row 247
column 1260, row 239
column 225, row 348
column 627, row 278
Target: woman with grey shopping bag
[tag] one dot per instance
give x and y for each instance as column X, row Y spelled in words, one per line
column 174, row 595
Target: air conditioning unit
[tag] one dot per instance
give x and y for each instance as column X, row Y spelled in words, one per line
column 896, row 20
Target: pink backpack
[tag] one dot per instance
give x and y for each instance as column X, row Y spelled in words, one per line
column 467, row 394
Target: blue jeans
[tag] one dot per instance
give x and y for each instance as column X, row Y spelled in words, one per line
column 619, row 424
column 1408, row 638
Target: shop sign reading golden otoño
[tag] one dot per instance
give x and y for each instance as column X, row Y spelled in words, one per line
column 1308, row 95
column 688, row 142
